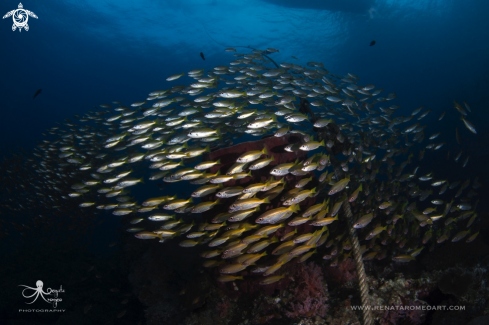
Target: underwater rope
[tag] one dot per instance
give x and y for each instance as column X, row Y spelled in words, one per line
column 357, row 254
column 362, row 276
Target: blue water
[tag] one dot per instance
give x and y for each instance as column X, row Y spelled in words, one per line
column 85, row 53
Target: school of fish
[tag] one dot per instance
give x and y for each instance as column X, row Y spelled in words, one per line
column 92, row 161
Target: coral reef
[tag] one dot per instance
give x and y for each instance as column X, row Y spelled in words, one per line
column 344, row 274
column 310, row 293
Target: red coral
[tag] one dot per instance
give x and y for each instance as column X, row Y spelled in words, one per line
column 310, row 294
column 223, row 307
column 344, row 272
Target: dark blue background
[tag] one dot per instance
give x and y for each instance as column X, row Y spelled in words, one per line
column 85, row 53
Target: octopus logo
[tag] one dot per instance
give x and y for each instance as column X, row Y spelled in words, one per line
column 38, row 291
column 20, row 17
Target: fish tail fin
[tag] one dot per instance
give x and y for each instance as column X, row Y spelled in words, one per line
column 295, row 208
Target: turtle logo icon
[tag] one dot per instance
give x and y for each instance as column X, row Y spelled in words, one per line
column 20, row 17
